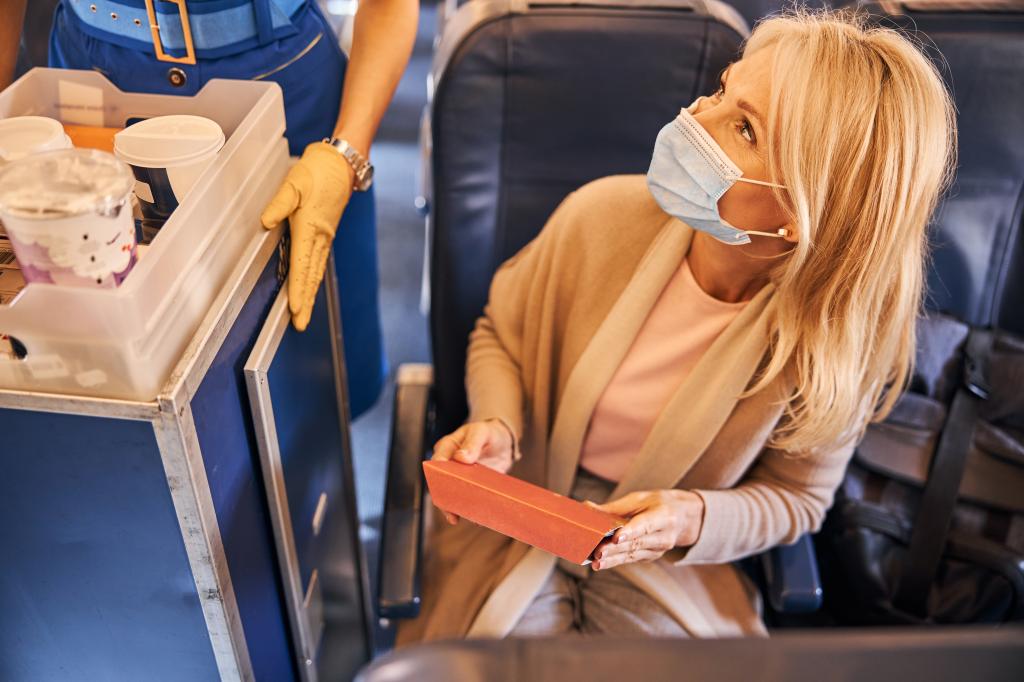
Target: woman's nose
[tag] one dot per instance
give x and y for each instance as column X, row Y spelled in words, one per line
column 705, row 116
column 700, row 104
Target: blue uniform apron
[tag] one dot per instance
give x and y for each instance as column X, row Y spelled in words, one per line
column 303, row 57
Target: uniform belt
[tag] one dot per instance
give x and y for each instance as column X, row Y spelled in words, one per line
column 211, row 29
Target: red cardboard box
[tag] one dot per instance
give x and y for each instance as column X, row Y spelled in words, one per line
column 521, row 510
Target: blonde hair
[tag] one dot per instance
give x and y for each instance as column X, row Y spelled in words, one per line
column 864, row 140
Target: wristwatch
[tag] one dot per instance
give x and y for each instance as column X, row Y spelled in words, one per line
column 362, row 167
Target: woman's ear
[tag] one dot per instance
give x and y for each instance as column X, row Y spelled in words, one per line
column 790, row 233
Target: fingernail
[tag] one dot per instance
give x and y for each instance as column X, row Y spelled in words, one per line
column 621, row 538
column 596, row 565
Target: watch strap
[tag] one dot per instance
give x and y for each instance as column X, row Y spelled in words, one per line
column 360, row 165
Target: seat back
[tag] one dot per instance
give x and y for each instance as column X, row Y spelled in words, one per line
column 531, row 101
column 977, row 269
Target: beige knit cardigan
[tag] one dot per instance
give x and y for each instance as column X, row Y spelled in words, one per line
column 561, row 316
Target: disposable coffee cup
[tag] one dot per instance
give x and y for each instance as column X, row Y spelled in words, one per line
column 167, row 154
column 68, row 217
column 24, row 135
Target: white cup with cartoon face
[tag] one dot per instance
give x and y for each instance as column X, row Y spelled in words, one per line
column 68, row 216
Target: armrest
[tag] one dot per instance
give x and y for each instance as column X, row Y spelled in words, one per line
column 401, row 538
column 424, row 195
column 425, row 173
column 791, row 575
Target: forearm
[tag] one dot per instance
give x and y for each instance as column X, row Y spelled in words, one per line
column 12, row 16
column 752, row 518
column 494, row 384
column 781, row 499
column 383, row 36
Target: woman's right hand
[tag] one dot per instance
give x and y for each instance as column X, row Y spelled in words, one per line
column 487, row 442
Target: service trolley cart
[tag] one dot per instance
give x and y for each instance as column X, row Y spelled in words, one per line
column 177, row 496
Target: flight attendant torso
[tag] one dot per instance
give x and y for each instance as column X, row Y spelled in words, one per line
column 288, row 42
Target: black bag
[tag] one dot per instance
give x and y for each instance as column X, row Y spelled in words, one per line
column 928, row 526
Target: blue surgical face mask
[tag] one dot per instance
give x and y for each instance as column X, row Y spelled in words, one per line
column 689, row 173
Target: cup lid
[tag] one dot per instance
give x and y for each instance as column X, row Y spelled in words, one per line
column 64, row 183
column 165, row 141
column 24, row 135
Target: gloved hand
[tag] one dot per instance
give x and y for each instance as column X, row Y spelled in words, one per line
column 313, row 197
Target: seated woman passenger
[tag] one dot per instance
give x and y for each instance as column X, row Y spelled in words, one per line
column 700, row 349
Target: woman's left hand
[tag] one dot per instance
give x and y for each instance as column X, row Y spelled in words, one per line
column 659, row 520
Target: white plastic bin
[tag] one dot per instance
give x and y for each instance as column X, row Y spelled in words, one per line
column 123, row 343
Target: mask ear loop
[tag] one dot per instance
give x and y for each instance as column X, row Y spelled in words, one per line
column 761, row 182
column 782, row 232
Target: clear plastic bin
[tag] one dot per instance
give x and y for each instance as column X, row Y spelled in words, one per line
column 124, row 342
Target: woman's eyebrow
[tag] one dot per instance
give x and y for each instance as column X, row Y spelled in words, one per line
column 743, row 104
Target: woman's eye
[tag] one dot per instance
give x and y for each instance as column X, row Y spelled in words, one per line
column 747, row 132
column 719, row 93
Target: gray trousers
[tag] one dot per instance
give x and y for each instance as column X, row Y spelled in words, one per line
column 578, row 600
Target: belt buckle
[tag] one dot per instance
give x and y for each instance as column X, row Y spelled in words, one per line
column 154, row 30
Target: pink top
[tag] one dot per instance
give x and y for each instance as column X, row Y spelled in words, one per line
column 684, row 322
